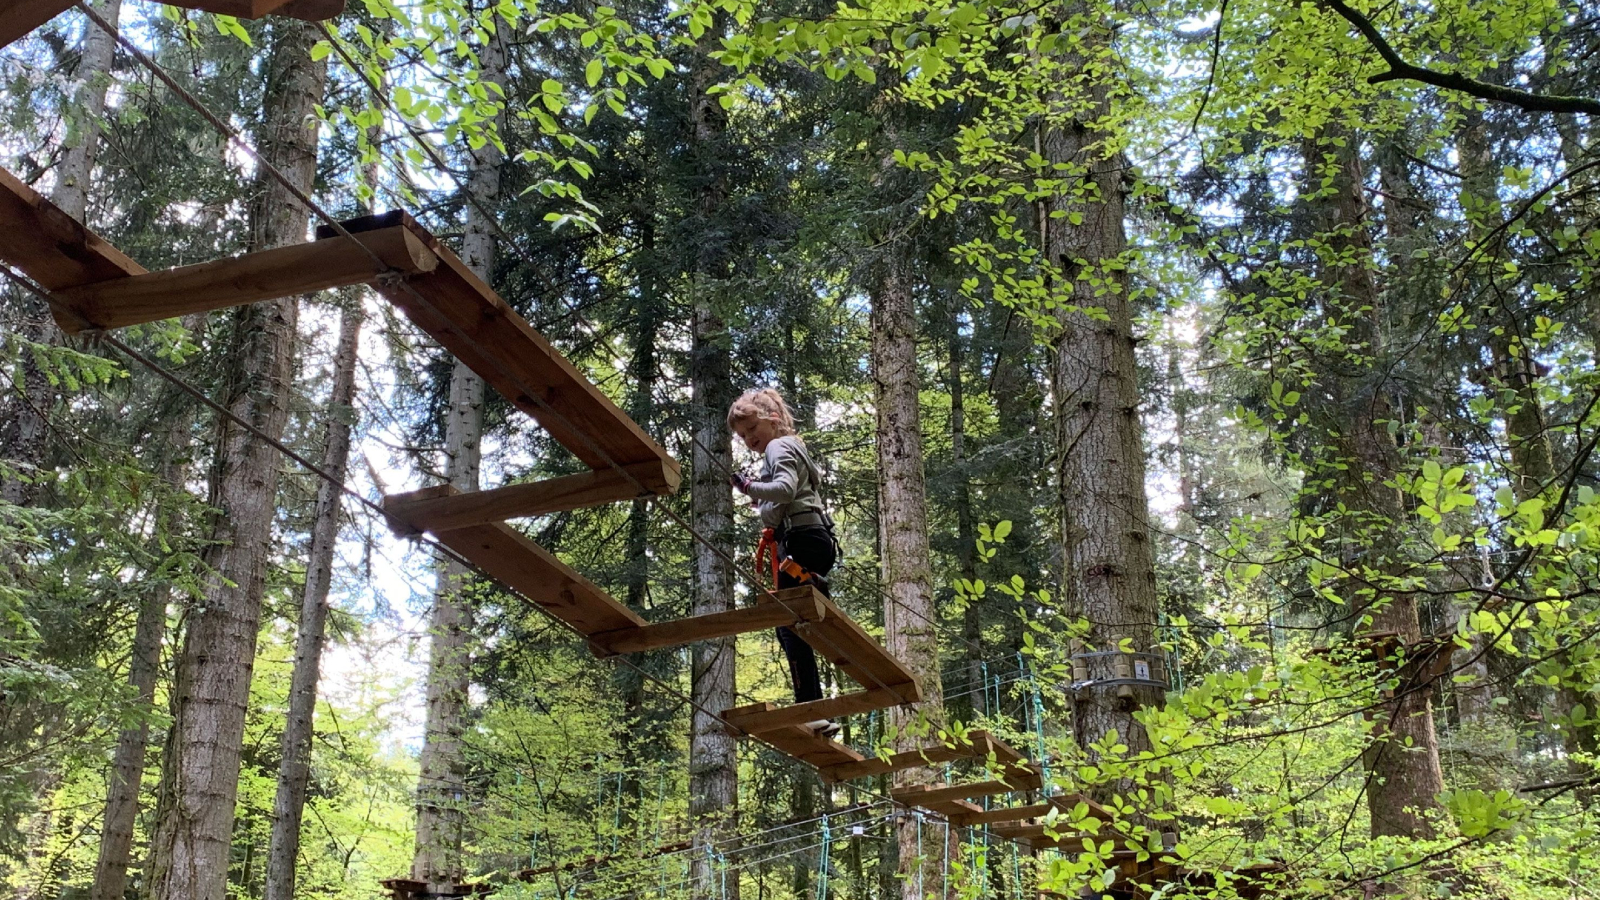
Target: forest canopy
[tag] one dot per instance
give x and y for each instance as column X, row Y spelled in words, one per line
column 1204, row 397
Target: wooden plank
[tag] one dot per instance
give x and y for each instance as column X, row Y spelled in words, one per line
column 508, row 556
column 807, row 746
column 1064, row 803
column 470, row 320
column 307, row 10
column 1011, row 814
column 18, row 17
column 703, row 628
column 51, row 247
column 975, row 745
column 856, row 653
column 240, row 280
column 965, row 791
column 433, row 510
column 909, row 759
column 759, row 719
column 951, row 808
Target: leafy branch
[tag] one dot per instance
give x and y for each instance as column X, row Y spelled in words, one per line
column 1400, row 69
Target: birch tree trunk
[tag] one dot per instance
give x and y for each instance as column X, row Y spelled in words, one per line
column 441, row 786
column 193, row 834
column 294, row 769
column 910, row 621
column 1108, row 563
column 713, row 752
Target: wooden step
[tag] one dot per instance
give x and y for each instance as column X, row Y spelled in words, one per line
column 952, row 809
column 920, row 794
column 508, row 556
column 910, row 759
column 470, row 320
column 1020, row 814
column 240, row 280
column 976, row 745
column 49, row 246
column 804, row 744
column 801, row 608
column 437, row 509
column 760, row 718
column 1066, row 838
column 18, row 17
column 859, row 655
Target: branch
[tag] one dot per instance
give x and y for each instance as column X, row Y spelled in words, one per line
column 1483, row 90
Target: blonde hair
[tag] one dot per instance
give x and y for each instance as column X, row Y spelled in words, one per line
column 762, row 403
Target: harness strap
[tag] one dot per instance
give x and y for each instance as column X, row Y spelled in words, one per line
column 768, row 546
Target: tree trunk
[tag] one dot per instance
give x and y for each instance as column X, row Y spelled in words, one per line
column 441, row 787
column 910, row 621
column 25, row 426
column 127, row 761
column 713, row 758
column 637, row 737
column 294, row 770
column 1403, row 758
column 1109, row 569
column 194, row 832
column 976, row 701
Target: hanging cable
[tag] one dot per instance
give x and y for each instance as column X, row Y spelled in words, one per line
column 822, row 862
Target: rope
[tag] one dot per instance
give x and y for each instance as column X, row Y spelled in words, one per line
column 822, row 864
column 1038, row 728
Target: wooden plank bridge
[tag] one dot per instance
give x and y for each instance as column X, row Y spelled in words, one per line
column 95, row 287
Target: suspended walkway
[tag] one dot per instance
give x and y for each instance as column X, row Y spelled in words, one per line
column 95, row 287
column 18, row 17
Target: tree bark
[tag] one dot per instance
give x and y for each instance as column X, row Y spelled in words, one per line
column 294, row 769
column 910, row 621
column 1109, row 569
column 115, row 853
column 25, row 427
column 976, row 702
column 637, row 737
column 1403, row 758
column 193, row 834
column 713, row 757
column 441, row 787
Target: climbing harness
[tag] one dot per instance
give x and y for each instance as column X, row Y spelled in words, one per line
column 767, row 555
column 767, row 547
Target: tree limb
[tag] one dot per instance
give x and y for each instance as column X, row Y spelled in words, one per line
column 1400, row 69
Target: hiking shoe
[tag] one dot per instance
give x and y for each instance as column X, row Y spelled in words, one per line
column 826, row 728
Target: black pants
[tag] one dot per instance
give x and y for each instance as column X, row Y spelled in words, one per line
column 812, row 547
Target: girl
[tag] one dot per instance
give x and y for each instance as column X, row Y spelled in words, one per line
column 787, row 496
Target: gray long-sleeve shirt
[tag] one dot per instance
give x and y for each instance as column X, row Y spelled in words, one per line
column 788, row 482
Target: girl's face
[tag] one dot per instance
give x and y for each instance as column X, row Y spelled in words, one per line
column 756, row 432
